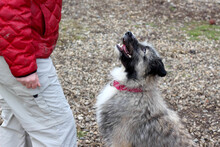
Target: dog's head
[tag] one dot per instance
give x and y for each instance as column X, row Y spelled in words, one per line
column 139, row 59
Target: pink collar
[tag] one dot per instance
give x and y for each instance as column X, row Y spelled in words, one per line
column 117, row 85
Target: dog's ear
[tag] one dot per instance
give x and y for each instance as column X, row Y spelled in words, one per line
column 157, row 67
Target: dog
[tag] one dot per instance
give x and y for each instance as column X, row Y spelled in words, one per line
column 130, row 110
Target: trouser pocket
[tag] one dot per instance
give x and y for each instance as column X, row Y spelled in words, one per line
column 49, row 97
column 41, row 103
column 55, row 98
column 33, row 98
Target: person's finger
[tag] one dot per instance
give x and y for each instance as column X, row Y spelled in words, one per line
column 38, row 82
column 34, row 86
column 23, row 83
column 28, row 86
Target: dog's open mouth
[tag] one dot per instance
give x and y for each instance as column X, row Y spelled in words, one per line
column 123, row 49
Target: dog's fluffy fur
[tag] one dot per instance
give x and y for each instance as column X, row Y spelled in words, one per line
column 128, row 119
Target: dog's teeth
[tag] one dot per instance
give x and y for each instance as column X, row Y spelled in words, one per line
column 129, row 55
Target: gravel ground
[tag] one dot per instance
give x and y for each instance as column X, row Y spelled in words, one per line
column 84, row 56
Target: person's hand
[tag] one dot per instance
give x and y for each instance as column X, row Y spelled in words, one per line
column 31, row 81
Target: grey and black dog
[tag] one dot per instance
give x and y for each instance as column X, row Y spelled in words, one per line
column 130, row 110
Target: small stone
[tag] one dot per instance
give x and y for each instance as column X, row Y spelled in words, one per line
column 192, row 51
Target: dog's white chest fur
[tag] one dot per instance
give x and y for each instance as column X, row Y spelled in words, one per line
column 109, row 91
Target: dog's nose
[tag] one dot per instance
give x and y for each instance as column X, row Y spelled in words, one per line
column 128, row 34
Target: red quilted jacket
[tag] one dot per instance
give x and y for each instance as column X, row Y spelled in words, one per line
column 28, row 30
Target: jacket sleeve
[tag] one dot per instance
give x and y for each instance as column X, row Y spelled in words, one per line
column 16, row 37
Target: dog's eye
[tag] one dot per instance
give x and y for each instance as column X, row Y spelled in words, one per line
column 144, row 50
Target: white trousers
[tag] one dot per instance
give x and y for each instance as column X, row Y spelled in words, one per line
column 38, row 117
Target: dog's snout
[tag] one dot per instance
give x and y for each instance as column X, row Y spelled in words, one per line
column 129, row 34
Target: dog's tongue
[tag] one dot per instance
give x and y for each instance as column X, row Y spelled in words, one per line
column 124, row 48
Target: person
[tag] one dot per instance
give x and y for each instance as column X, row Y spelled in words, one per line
column 35, row 111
